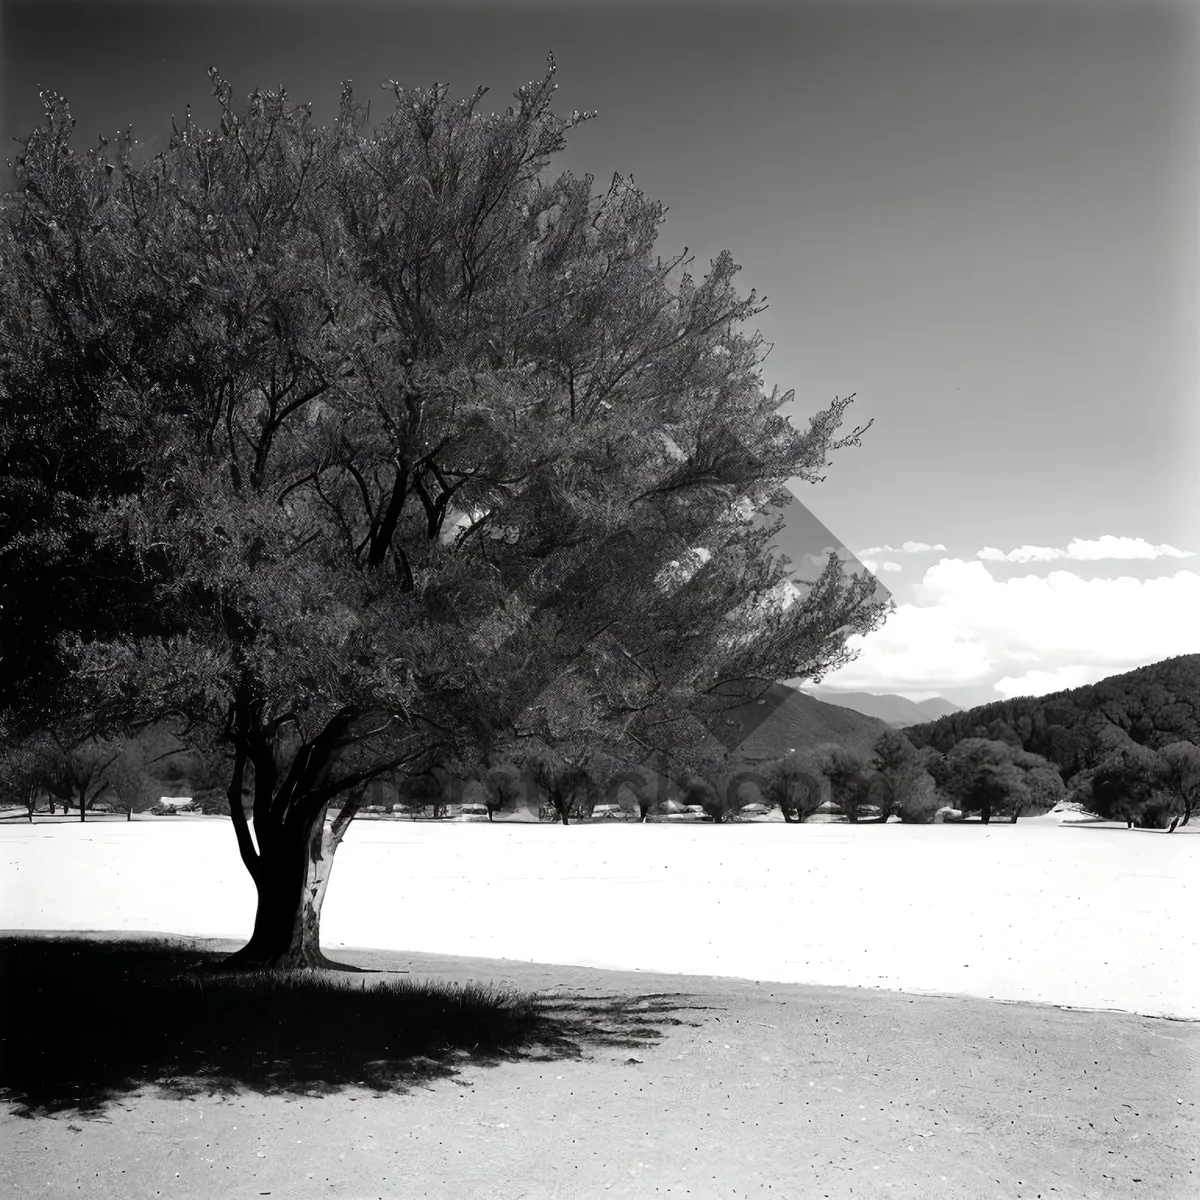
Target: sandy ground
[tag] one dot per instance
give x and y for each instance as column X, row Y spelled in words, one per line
column 766, row 1089
column 1088, row 916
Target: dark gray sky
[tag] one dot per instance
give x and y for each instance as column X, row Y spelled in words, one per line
column 980, row 216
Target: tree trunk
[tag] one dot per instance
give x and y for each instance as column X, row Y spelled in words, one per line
column 291, row 881
column 563, row 815
column 1013, row 819
column 985, row 813
column 129, row 813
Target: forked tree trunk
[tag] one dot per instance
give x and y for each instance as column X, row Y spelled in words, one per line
column 292, row 879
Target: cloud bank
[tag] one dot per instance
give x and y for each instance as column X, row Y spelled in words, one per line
column 1027, row 636
column 1079, row 550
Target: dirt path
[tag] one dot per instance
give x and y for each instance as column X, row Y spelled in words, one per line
column 762, row 1089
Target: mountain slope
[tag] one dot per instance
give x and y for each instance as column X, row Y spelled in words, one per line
column 894, row 710
column 788, row 719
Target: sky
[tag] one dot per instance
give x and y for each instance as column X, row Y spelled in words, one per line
column 980, row 218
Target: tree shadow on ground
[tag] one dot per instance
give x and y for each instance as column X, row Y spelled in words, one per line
column 84, row 1023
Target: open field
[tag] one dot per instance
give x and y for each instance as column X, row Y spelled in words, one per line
column 1087, row 916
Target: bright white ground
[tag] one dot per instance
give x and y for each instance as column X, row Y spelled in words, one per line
column 1086, row 916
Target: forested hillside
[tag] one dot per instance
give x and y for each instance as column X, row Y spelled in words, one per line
column 1152, row 706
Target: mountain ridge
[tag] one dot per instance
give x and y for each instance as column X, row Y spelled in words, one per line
column 897, row 711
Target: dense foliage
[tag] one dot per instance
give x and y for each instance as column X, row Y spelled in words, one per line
column 415, row 452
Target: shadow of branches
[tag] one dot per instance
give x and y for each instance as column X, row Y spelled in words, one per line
column 84, row 1023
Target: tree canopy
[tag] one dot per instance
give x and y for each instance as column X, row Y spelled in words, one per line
column 407, row 448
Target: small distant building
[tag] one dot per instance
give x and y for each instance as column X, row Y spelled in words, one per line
column 174, row 801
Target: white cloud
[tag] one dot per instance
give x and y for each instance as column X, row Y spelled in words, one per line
column 1022, row 554
column 891, row 566
column 1121, row 547
column 870, row 564
column 903, row 548
column 1079, row 550
column 1028, row 635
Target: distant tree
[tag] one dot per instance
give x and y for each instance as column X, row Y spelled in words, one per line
column 208, row 777
column 915, row 794
column 507, row 789
column 795, row 785
column 81, row 773
column 1182, row 774
column 427, row 790
column 846, row 772
column 1044, row 787
column 892, row 750
column 903, row 783
column 135, row 788
column 135, row 776
column 1135, row 784
column 982, row 776
column 718, row 784
column 559, row 775
column 27, row 766
column 743, row 786
column 640, row 792
column 876, row 794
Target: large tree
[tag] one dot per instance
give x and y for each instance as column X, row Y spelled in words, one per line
column 423, row 455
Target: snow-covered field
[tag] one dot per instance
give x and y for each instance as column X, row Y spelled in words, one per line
column 1084, row 916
